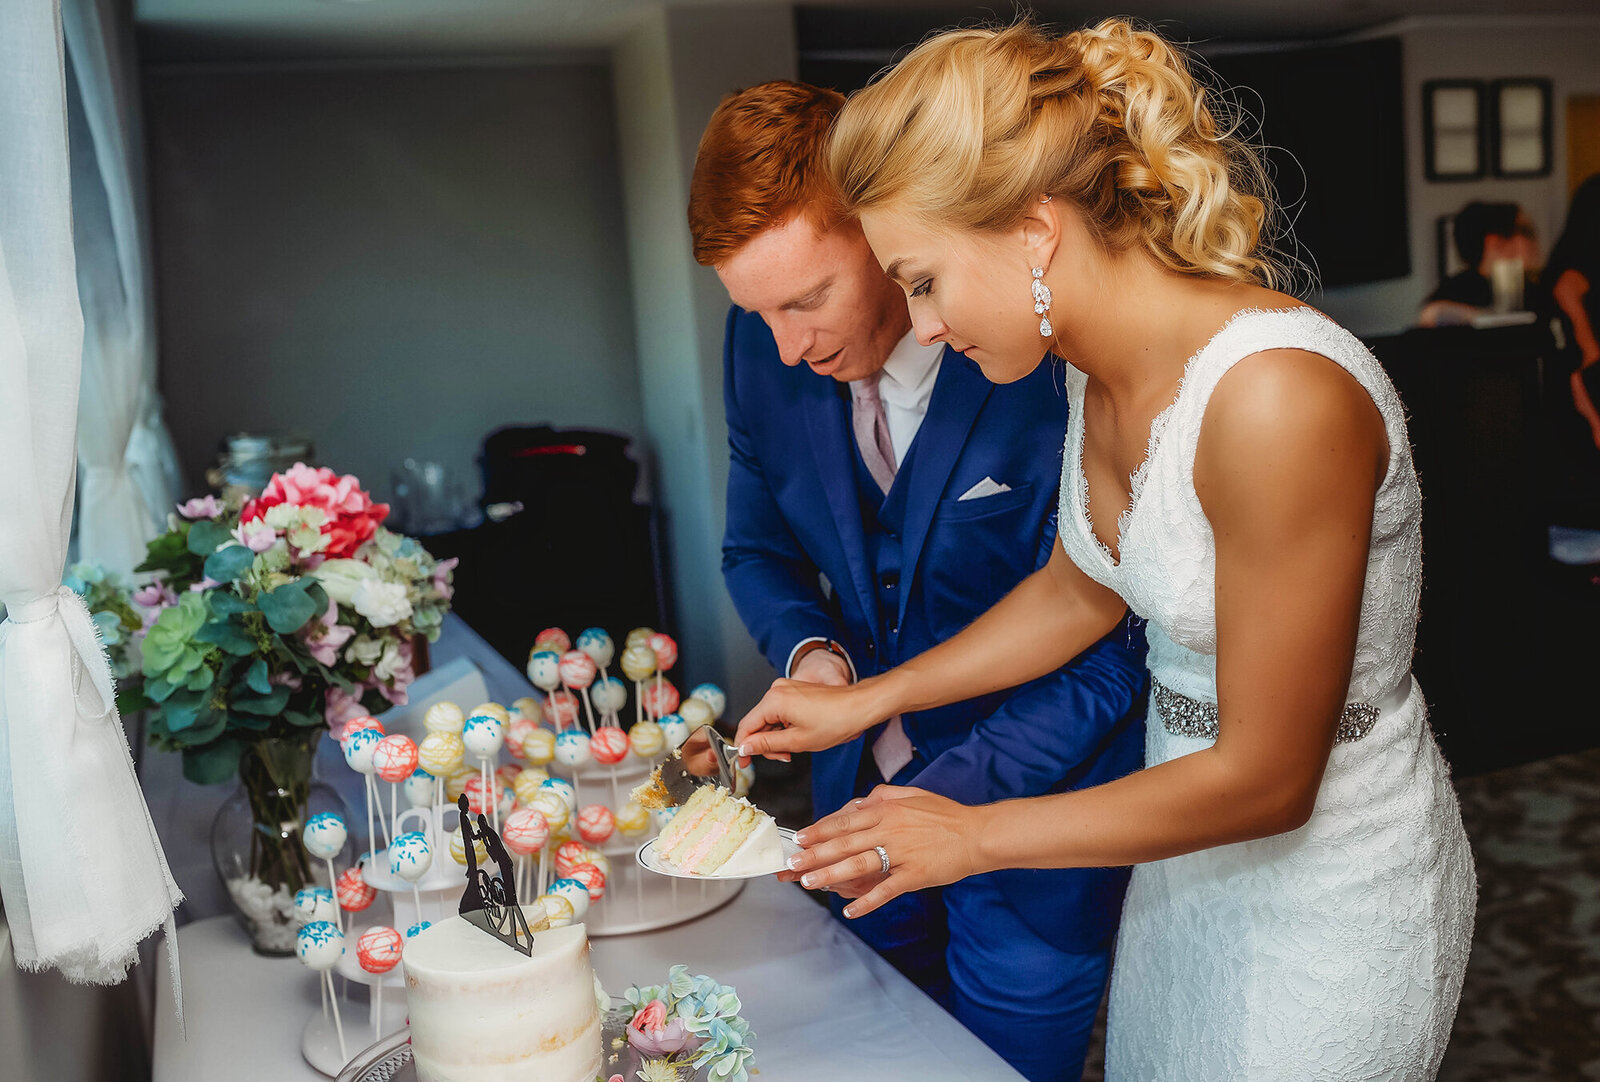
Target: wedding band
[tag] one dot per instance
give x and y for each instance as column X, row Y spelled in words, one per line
column 883, row 855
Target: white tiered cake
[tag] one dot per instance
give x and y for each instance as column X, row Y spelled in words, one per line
column 483, row 1012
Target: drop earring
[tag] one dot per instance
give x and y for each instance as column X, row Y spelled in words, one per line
column 1041, row 302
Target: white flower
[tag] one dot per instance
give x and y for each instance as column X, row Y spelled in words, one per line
column 341, row 578
column 364, row 651
column 383, row 603
column 391, row 662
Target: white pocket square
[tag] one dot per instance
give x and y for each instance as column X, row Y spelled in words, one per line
column 987, row 487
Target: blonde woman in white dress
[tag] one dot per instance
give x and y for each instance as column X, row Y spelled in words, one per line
column 1237, row 472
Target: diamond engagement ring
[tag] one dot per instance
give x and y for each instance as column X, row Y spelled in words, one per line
column 883, row 855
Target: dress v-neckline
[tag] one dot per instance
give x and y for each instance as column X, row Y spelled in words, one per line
column 1158, row 427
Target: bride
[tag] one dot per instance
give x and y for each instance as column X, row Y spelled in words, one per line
column 1236, row 471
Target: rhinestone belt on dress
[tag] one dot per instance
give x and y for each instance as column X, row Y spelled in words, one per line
column 1184, row 716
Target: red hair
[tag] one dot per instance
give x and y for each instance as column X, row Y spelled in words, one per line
column 761, row 161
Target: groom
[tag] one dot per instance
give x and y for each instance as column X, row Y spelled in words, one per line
column 881, row 495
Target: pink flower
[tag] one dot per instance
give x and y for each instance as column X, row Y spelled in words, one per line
column 352, row 516
column 256, row 536
column 200, row 507
column 206, row 583
column 291, row 680
column 653, row 1035
column 340, row 706
column 441, row 577
column 325, row 636
column 155, row 595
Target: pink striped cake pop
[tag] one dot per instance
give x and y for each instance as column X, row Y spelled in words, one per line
column 596, row 824
column 592, row 878
column 507, row 773
column 394, row 758
column 353, row 891
column 553, row 638
column 378, row 949
column 609, row 745
column 518, row 731
column 568, row 856
column 660, row 698
column 577, row 669
column 665, row 648
column 525, row 831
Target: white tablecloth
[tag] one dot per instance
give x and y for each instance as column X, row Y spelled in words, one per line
column 822, row 1005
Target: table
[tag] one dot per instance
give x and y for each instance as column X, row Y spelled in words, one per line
column 821, row 1003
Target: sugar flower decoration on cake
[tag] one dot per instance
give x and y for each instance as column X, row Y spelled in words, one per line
column 691, row 1021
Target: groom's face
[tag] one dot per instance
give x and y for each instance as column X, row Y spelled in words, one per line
column 823, row 295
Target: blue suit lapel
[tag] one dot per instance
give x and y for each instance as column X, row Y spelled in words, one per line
column 832, row 443
column 958, row 395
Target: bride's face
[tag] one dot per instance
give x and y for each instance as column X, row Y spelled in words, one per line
column 971, row 291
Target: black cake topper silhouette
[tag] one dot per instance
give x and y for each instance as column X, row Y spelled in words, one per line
column 490, row 901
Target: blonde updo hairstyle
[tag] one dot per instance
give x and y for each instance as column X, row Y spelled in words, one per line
column 973, row 125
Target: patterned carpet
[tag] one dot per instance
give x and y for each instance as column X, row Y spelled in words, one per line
column 1530, row 1009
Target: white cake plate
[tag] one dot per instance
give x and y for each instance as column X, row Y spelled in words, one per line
column 651, row 862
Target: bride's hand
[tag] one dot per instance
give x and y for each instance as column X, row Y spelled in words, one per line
column 929, row 840
column 796, row 716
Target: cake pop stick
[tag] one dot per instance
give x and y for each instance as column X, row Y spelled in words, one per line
column 393, row 760
column 638, row 664
column 482, row 737
column 319, row 945
column 377, row 951
column 610, row 695
column 572, row 750
column 665, row 647
column 564, row 710
column 324, row 837
column 577, row 670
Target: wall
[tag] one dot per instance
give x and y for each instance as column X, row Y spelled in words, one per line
column 670, row 72
column 1562, row 50
column 396, row 260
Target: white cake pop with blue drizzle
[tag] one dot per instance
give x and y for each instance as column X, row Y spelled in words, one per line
column 325, row 833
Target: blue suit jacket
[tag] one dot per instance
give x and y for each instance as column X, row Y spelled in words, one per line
column 793, row 512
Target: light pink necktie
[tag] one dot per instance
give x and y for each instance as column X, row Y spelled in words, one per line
column 892, row 750
column 871, row 427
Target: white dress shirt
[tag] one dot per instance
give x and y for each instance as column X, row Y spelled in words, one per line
column 906, row 385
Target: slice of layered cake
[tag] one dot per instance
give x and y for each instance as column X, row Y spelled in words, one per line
column 718, row 833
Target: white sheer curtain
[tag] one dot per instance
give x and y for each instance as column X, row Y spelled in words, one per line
column 81, row 870
column 129, row 470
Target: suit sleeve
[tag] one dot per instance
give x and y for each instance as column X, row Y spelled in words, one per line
column 775, row 587
column 1049, row 733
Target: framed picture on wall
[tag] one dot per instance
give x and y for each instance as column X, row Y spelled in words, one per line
column 1520, row 142
column 1453, row 126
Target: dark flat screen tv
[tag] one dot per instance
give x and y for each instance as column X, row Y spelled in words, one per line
column 1333, row 121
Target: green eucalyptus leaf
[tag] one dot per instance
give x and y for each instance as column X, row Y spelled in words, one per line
column 213, row 764
column 289, row 606
column 229, row 635
column 158, row 689
column 224, row 603
column 257, row 678
column 269, row 705
column 229, row 563
column 182, row 709
column 200, row 679
column 303, row 720
column 210, row 725
column 206, row 537
column 249, row 722
column 169, row 552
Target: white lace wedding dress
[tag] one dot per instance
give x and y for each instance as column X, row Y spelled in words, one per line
column 1335, row 951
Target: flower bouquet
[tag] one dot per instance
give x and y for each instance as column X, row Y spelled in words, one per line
column 265, row 625
column 687, row 1024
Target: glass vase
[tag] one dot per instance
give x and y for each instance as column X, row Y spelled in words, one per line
column 256, row 838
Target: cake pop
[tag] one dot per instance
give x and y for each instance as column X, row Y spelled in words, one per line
column 632, row 819
column 553, row 807
column 410, row 857
column 596, row 823
column 443, row 717
column 665, row 649
column 324, row 836
column 525, row 833
column 596, row 642
column 638, row 665
column 578, row 671
column 568, row 856
column 563, row 788
column 440, row 753
column 598, row 859
column 647, row 740
column 572, row 747
column 456, row 783
column 563, row 710
column 355, row 725
column 393, row 760
column 553, row 638
column 458, row 849
column 609, row 696
column 661, row 698
column 313, row 904
column 527, row 784
column 320, row 945
column 378, row 949
column 516, row 733
column 609, row 745
column 713, row 697
column 662, row 816
column 482, row 736
column 674, row 731
column 593, row 880
column 576, row 894
column 639, row 636
column 696, row 713
column 419, row 788
column 352, row 891
column 359, row 749
column 491, row 710
column 529, row 708
column 507, row 773
column 544, row 669
column 539, row 747
column 558, row 910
